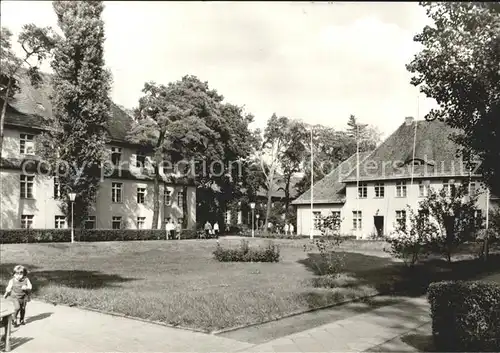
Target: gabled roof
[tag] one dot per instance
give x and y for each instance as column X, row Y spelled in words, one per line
column 31, row 106
column 331, row 189
column 435, row 154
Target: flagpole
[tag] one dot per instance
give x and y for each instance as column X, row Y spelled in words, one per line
column 357, row 179
column 312, row 185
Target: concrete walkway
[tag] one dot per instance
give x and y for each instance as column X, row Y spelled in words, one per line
column 59, row 328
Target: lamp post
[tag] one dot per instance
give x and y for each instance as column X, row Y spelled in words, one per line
column 72, row 197
column 252, row 206
column 258, row 216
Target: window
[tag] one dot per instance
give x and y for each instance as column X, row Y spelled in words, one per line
column 116, row 192
column 141, row 195
column 116, row 222
column 27, row 144
column 180, row 198
column 60, row 222
column 401, row 189
column 363, row 190
column 167, row 197
column 317, row 219
column 57, row 189
column 401, row 219
column 356, row 220
column 228, row 217
column 472, row 188
column 27, row 186
column 116, row 153
column 478, row 216
column 140, row 222
column 27, row 221
column 336, row 215
column 449, row 187
column 90, row 222
column 423, row 188
column 140, row 159
column 379, row 190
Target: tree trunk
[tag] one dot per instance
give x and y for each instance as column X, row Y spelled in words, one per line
column 287, row 192
column 156, row 198
column 4, row 110
column 270, row 184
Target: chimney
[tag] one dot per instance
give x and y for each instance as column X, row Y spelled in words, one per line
column 408, row 120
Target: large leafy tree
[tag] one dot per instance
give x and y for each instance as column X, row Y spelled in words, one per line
column 36, row 43
column 186, row 120
column 459, row 67
column 80, row 103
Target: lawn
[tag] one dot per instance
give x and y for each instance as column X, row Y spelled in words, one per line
column 180, row 283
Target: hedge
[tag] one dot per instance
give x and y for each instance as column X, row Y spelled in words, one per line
column 270, row 253
column 15, row 236
column 465, row 316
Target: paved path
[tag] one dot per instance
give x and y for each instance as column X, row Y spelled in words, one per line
column 59, row 328
column 51, row 328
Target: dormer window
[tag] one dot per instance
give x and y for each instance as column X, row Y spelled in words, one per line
column 40, row 106
column 116, row 153
column 27, row 144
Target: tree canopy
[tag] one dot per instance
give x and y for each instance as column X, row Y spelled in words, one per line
column 459, row 68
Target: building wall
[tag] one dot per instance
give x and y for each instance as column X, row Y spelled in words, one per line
column 371, row 206
column 44, row 207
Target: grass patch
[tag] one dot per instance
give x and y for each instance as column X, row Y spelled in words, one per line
column 181, row 283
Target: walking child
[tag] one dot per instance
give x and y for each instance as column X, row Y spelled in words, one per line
column 19, row 289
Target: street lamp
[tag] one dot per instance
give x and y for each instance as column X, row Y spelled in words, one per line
column 252, row 206
column 72, row 197
column 258, row 216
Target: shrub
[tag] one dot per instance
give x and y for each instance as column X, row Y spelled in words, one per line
column 465, row 316
column 410, row 240
column 12, row 236
column 270, row 253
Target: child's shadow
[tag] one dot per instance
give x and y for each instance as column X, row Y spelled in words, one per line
column 38, row 317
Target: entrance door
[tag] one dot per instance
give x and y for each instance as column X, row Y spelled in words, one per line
column 379, row 225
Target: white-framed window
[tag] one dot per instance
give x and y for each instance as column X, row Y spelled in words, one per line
column 116, row 192
column 401, row 218
column 57, row 189
column 140, row 159
column 357, row 220
column 27, row 221
column 379, row 190
column 141, row 221
column 116, row 154
column 317, row 219
column 424, row 188
column 449, row 187
column 180, row 198
column 141, row 195
column 336, row 214
column 116, row 222
column 90, row 222
column 227, row 219
column 27, row 182
column 363, row 190
column 478, row 215
column 401, row 189
column 27, row 144
column 60, row 222
column 167, row 197
column 472, row 188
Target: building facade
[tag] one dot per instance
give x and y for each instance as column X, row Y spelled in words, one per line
column 30, row 197
column 399, row 173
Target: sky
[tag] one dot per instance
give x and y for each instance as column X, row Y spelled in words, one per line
column 317, row 62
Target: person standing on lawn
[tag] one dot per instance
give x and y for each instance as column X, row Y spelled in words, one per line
column 216, row 229
column 286, row 228
column 208, row 229
column 19, row 289
column 170, row 228
column 178, row 229
column 291, row 229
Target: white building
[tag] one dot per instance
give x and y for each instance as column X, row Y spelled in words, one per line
column 125, row 198
column 391, row 177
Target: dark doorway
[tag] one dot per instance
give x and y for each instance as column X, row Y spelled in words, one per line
column 379, row 225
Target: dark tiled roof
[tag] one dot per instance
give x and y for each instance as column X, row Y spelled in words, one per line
column 279, row 188
column 434, row 149
column 331, row 189
column 31, row 106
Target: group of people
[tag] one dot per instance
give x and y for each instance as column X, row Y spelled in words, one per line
column 288, row 228
column 211, row 231
column 173, row 229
